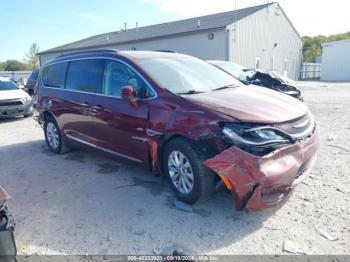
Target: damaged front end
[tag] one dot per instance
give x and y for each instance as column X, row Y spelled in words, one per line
column 262, row 163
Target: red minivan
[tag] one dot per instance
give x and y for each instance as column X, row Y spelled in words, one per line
column 180, row 117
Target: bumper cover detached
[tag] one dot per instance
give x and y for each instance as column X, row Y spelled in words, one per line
column 263, row 182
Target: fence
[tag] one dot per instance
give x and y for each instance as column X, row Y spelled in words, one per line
column 17, row 76
column 310, row 71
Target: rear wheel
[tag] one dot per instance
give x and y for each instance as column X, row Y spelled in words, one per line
column 53, row 136
column 187, row 176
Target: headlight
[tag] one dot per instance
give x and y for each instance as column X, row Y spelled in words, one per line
column 27, row 99
column 254, row 139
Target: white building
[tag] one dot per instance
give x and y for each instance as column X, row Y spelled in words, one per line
column 336, row 61
column 255, row 37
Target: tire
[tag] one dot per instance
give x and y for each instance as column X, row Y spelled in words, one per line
column 203, row 178
column 28, row 115
column 53, row 136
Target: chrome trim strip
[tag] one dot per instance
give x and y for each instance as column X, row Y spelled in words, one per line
column 151, row 132
column 105, row 58
column 103, row 149
column 142, row 139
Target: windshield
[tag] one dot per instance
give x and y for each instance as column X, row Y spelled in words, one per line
column 7, row 85
column 182, row 74
column 234, row 69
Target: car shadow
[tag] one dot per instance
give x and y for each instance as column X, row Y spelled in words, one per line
column 86, row 203
column 11, row 119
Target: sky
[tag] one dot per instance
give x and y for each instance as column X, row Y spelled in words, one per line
column 56, row 22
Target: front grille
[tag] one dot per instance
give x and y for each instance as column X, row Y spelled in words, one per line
column 10, row 103
column 298, row 128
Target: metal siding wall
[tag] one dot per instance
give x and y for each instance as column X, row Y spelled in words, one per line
column 336, row 61
column 256, row 36
column 196, row 44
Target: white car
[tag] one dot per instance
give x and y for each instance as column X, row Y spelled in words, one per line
column 13, row 100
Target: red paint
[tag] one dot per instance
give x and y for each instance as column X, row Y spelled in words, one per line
column 153, row 147
column 134, row 128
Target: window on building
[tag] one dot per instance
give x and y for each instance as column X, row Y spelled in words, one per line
column 285, row 71
column 54, row 75
column 211, row 36
column 272, row 62
column 285, row 64
column 85, row 75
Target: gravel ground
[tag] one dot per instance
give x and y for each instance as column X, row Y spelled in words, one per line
column 85, row 203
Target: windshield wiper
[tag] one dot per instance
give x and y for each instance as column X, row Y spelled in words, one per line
column 224, row 87
column 190, row 92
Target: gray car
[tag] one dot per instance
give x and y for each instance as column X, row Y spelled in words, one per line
column 14, row 101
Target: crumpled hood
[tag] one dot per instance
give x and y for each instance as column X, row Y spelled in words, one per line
column 251, row 104
column 12, row 94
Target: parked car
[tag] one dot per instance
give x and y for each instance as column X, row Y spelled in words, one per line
column 8, row 250
column 14, row 101
column 180, row 117
column 260, row 78
column 31, row 82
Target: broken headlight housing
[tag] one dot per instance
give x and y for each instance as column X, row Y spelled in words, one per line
column 254, row 139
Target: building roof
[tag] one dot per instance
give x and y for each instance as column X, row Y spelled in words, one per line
column 197, row 24
column 336, row 42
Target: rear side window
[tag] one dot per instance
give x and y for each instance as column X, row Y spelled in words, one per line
column 54, row 75
column 85, row 75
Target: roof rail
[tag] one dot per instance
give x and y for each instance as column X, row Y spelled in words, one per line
column 89, row 51
column 165, row 51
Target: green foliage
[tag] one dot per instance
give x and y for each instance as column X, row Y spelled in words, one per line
column 312, row 47
column 31, row 57
column 2, row 67
column 15, row 65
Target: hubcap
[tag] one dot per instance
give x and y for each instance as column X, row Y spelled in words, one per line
column 52, row 135
column 180, row 172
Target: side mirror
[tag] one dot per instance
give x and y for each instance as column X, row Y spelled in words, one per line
column 129, row 93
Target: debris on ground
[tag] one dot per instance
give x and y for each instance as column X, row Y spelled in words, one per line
column 340, row 190
column 292, row 247
column 331, row 137
column 327, row 235
column 340, row 147
column 177, row 250
column 307, row 199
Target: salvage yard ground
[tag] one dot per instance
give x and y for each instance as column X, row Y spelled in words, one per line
column 84, row 203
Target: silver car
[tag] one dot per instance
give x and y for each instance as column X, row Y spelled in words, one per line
column 14, row 101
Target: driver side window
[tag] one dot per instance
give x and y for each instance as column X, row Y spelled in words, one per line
column 117, row 75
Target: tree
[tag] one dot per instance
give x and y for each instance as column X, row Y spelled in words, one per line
column 312, row 47
column 2, row 67
column 14, row 65
column 31, row 57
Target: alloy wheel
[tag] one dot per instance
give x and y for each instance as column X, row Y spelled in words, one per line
column 180, row 172
column 52, row 135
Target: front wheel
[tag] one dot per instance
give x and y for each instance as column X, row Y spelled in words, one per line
column 187, row 176
column 53, row 136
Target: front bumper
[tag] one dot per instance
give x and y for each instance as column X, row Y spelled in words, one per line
column 263, row 182
column 12, row 111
